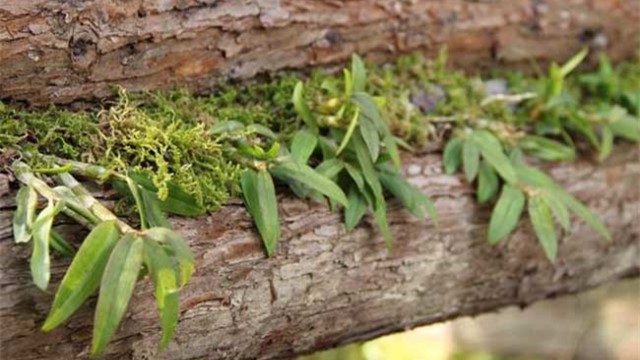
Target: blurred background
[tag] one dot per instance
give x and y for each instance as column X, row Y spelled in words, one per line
column 600, row 324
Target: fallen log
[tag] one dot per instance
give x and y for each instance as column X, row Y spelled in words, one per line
column 324, row 287
column 54, row 51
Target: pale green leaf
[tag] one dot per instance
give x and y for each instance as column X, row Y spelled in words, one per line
column 506, row 213
column 59, row 244
column 300, row 105
column 492, row 152
column 118, row 281
column 546, row 149
column 371, row 137
column 452, row 157
column 291, row 171
column 542, row 221
column 41, row 230
column 23, row 218
column 303, row 144
column 470, row 159
column 151, row 208
column 487, row 183
column 559, row 209
column 606, row 143
column 573, row 63
column 178, row 247
column 355, row 211
column 330, row 168
column 83, row 276
column 358, row 74
column 392, row 149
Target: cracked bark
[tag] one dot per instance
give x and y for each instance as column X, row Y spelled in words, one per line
column 60, row 51
column 325, row 287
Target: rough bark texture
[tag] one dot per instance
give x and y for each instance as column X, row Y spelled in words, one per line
column 325, row 287
column 60, row 51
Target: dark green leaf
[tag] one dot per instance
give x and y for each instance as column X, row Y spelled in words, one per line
column 289, row 171
column 59, row 244
column 411, row 198
column 41, row 230
column 165, row 285
column 151, row 207
column 506, row 213
column 542, row 221
column 380, row 215
column 135, row 192
column 330, row 168
column 83, row 276
column 303, row 145
column 356, row 175
column 178, row 201
column 179, row 248
column 119, row 279
column 355, row 211
column 452, row 156
column 470, row 159
column 487, row 183
column 368, row 170
column 23, row 218
column 492, row 152
column 259, row 197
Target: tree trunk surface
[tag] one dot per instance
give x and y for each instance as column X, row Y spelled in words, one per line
column 58, row 51
column 325, row 287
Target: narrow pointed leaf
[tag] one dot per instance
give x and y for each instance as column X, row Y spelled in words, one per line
column 300, row 105
column 559, row 210
column 492, row 152
column 369, row 110
column 83, row 276
column 606, row 144
column 40, row 259
column 118, row 281
column 542, row 221
column 59, row 244
column 487, row 183
column 166, row 288
column 546, row 149
column 452, row 157
column 302, row 146
column 470, row 160
column 292, row 171
column 506, row 213
column 358, row 74
column 355, row 211
column 350, row 130
column 259, row 196
column 573, row 63
column 371, row 138
column 330, row 168
column 392, row 149
column 151, row 208
column 356, row 175
column 179, row 249
column 380, row 215
column 135, row 192
column 26, row 201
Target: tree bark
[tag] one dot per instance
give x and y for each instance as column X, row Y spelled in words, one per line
column 324, row 287
column 55, row 51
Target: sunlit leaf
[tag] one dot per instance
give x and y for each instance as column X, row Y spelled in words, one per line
column 573, row 63
column 83, row 276
column 606, row 143
column 259, row 197
column 358, row 74
column 300, row 105
column 116, row 287
column 506, row 213
column 26, row 201
column 352, row 126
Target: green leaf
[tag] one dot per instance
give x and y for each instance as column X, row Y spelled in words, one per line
column 606, row 144
column 392, row 149
column 358, row 74
column 59, row 244
column 559, row 209
column 371, row 138
column 118, row 281
column 41, row 230
column 626, row 126
column 330, row 168
column 327, row 147
column 83, row 276
column 350, row 129
column 369, row 110
column 536, row 178
column 291, row 171
column 367, row 168
column 573, row 63
column 166, row 289
column 26, row 201
column 178, row 247
column 300, row 105
column 470, row 160
column 178, row 201
column 452, row 157
column 259, row 197
column 506, row 213
column 542, row 221
column 546, row 149
column 356, row 175
column 226, row 127
column 380, row 215
column 355, row 211
column 303, row 144
column 261, row 130
column 487, row 183
column 492, row 152
column 411, row 198
column 135, row 192
column 151, row 208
